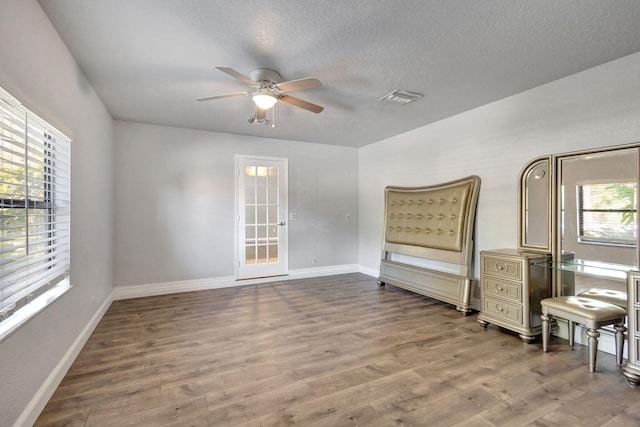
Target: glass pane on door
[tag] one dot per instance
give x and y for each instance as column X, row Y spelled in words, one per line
column 261, row 215
column 262, row 210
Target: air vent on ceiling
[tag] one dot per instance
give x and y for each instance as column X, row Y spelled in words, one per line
column 400, row 97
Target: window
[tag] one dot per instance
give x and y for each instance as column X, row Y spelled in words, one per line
column 607, row 213
column 34, row 214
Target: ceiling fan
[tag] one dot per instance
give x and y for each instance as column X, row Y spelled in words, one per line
column 269, row 89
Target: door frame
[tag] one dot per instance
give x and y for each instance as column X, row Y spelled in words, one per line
column 284, row 252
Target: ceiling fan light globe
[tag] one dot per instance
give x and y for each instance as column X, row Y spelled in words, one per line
column 264, row 101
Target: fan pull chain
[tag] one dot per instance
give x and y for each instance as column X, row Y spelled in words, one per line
column 273, row 116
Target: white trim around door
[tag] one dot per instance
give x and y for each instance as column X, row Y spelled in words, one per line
column 261, row 216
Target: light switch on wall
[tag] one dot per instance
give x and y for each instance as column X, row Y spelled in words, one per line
column 293, row 216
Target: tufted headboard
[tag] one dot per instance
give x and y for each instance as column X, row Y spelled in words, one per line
column 433, row 223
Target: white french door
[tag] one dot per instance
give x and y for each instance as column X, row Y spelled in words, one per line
column 261, row 216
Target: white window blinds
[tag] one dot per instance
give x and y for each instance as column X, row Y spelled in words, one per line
column 34, row 214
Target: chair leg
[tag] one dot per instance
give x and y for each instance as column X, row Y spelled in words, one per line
column 571, row 326
column 620, row 330
column 593, row 335
column 545, row 331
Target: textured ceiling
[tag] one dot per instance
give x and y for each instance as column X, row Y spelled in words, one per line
column 149, row 59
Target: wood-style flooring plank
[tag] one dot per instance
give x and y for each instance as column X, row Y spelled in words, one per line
column 329, row 351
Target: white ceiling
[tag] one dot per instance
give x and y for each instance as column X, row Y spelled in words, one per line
column 149, row 59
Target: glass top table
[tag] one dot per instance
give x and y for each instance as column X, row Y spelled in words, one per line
column 592, row 268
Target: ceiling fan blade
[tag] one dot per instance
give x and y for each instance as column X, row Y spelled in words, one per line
column 300, row 103
column 228, row 95
column 300, row 84
column 233, row 73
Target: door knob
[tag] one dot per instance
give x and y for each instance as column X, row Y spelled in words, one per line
column 281, row 223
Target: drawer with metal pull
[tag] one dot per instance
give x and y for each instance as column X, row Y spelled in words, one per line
column 511, row 291
column 503, row 267
column 502, row 310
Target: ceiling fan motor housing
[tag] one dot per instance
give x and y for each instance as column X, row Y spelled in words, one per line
column 265, row 77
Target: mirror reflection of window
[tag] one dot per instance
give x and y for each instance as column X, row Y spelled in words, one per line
column 598, row 208
column 598, row 219
column 607, row 213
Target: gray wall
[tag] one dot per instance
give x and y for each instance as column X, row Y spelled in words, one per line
column 596, row 108
column 36, row 67
column 175, row 195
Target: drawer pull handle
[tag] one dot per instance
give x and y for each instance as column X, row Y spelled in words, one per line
column 500, row 308
column 500, row 289
column 500, row 267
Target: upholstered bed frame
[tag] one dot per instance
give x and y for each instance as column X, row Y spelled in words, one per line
column 428, row 240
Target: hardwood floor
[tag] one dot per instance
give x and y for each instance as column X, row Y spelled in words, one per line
column 330, row 351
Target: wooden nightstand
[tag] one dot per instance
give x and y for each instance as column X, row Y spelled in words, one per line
column 512, row 283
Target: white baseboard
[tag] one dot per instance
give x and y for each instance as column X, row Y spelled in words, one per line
column 332, row 270
column 152, row 289
column 147, row 290
column 39, row 401
column 373, row 272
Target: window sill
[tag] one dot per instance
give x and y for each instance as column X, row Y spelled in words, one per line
column 26, row 313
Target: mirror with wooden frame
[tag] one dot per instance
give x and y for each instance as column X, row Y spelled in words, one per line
column 535, row 205
column 597, row 233
column 583, row 208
